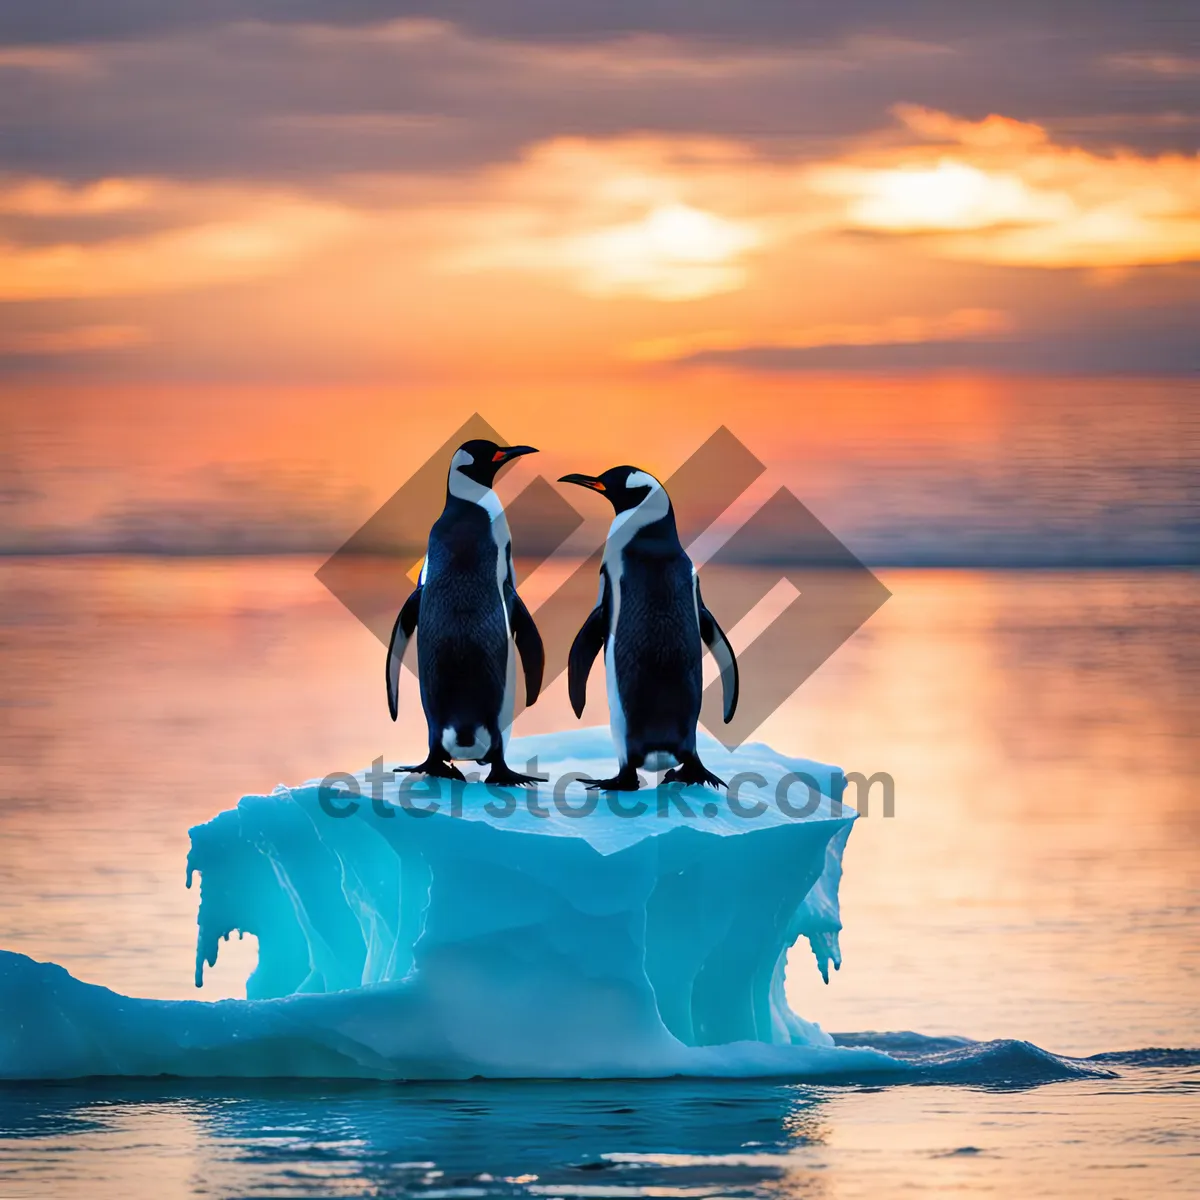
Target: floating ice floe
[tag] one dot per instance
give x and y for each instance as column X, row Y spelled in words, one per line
column 506, row 934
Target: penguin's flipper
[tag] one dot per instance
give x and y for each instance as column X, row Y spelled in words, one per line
column 584, row 649
column 587, row 644
column 529, row 644
column 714, row 638
column 402, row 631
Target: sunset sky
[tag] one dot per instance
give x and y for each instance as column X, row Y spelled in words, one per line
column 257, row 258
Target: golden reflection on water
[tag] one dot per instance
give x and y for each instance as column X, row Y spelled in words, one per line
column 1038, row 880
column 598, row 1140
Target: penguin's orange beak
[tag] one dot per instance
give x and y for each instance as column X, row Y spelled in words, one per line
column 587, row 481
column 506, row 452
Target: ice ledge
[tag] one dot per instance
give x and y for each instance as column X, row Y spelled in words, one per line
column 335, row 877
column 766, row 789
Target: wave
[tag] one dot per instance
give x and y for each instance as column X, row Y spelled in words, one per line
column 1154, row 1056
column 1001, row 1063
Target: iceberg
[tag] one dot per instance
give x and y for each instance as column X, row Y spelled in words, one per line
column 412, row 928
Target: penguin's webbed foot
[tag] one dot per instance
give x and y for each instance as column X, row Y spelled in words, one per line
column 502, row 774
column 692, row 770
column 437, row 767
column 626, row 780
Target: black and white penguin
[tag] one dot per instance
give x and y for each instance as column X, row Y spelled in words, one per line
column 651, row 622
column 470, row 615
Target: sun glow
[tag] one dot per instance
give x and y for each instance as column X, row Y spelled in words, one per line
column 675, row 252
column 1002, row 191
column 639, row 217
column 948, row 195
column 513, row 256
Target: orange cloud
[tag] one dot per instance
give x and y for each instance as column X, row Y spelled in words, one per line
column 960, row 324
column 641, row 217
column 77, row 339
column 673, row 252
column 944, row 195
column 1000, row 191
column 993, row 130
column 707, row 244
column 50, row 198
column 44, row 58
column 212, row 236
column 681, row 219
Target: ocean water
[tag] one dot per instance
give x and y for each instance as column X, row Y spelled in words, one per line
column 1037, row 883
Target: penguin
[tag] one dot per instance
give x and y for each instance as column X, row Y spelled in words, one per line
column 650, row 621
column 469, row 613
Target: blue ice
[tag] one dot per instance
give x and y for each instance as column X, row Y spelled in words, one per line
column 498, row 936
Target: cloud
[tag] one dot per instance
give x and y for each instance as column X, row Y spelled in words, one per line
column 392, row 187
column 1172, row 66
column 53, row 198
column 650, row 217
column 582, row 21
column 311, row 90
column 1001, row 191
column 673, row 252
column 991, row 132
column 199, row 237
column 637, row 217
column 934, row 230
column 945, row 195
column 315, row 101
column 78, row 339
column 673, row 219
column 52, row 59
column 1147, row 343
column 959, row 325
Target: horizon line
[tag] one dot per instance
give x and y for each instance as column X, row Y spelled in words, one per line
column 912, row 562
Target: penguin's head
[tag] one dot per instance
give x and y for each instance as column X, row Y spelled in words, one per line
column 479, row 459
column 625, row 487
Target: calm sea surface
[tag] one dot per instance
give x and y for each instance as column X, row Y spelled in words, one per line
column 1040, row 880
